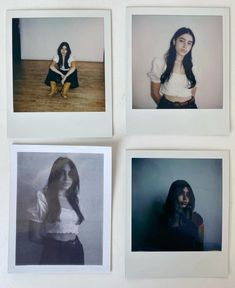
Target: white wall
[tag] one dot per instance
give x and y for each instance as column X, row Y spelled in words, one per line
column 40, row 37
column 120, row 142
column 151, row 38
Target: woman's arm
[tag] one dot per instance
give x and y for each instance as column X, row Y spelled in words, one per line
column 200, row 242
column 201, row 233
column 70, row 71
column 194, row 89
column 155, row 92
column 80, row 216
column 36, row 232
column 54, row 69
column 36, row 228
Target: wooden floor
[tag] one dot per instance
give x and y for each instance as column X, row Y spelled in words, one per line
column 31, row 94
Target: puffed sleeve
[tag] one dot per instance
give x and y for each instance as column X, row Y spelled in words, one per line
column 158, row 67
column 55, row 58
column 38, row 212
column 71, row 58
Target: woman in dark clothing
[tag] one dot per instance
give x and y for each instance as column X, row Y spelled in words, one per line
column 62, row 71
column 181, row 228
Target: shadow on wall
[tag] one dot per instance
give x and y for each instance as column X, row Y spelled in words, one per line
column 145, row 232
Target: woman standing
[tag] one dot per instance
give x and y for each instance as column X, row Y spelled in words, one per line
column 173, row 81
column 56, row 217
column 181, row 228
column 62, row 71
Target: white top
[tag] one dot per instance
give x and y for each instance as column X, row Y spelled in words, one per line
column 70, row 60
column 66, row 224
column 177, row 85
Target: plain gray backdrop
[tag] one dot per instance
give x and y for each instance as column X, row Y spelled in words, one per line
column 33, row 171
column 151, row 180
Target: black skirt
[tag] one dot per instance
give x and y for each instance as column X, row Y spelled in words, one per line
column 166, row 104
column 53, row 76
column 62, row 252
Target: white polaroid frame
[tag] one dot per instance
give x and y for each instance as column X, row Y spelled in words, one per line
column 153, row 264
column 66, row 151
column 179, row 121
column 60, row 124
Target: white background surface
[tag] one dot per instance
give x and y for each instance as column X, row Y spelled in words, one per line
column 120, row 142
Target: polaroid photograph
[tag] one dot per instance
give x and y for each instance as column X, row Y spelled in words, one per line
column 179, row 71
column 177, row 209
column 60, row 81
column 60, row 215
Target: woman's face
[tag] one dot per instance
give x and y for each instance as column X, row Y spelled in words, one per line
column 65, row 180
column 183, row 44
column 183, row 197
column 63, row 50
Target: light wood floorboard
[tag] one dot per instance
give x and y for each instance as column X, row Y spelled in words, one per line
column 31, row 94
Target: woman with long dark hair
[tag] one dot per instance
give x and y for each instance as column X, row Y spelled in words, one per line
column 173, row 80
column 56, row 218
column 181, row 228
column 62, row 71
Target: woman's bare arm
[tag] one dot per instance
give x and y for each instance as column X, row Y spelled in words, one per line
column 155, row 92
column 54, row 69
column 70, row 71
column 36, row 232
column 194, row 89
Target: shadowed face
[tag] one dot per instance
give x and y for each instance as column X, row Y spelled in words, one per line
column 65, row 179
column 183, row 197
column 183, row 44
column 64, row 50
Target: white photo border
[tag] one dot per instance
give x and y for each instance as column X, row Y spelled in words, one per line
column 107, row 196
column 60, row 124
column 178, row 264
column 186, row 121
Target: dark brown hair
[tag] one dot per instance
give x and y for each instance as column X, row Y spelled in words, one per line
column 51, row 192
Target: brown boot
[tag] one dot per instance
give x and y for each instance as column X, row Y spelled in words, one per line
column 54, row 88
column 65, row 89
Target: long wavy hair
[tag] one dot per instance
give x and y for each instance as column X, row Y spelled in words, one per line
column 51, row 193
column 60, row 63
column 175, row 190
column 187, row 61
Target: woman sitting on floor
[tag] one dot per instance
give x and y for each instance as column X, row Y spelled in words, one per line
column 63, row 71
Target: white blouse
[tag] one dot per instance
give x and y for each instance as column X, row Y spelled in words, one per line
column 66, row 224
column 70, row 60
column 177, row 85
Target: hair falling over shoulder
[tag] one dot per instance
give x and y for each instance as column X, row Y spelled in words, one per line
column 170, row 58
